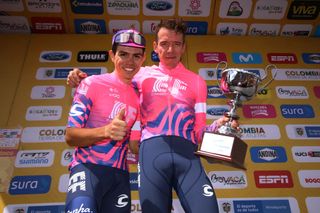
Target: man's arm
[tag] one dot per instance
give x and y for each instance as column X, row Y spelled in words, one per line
column 116, row 130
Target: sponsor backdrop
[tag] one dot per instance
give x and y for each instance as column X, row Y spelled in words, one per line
column 281, row 124
column 220, row 17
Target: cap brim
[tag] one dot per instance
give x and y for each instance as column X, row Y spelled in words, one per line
column 132, row 45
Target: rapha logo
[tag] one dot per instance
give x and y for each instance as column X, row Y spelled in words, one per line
column 81, row 209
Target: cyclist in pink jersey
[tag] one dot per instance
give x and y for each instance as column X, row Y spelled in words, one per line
column 173, row 118
column 103, row 111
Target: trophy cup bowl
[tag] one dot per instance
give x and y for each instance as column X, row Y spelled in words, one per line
column 225, row 145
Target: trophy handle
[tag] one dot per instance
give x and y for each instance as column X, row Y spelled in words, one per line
column 269, row 67
column 225, row 64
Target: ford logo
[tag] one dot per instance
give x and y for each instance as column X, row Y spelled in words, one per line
column 55, row 56
column 159, row 5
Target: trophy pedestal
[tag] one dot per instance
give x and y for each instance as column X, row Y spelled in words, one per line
column 225, row 149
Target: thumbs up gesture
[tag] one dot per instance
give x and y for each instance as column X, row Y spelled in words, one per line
column 117, row 129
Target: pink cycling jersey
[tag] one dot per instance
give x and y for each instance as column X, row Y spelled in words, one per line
column 173, row 102
column 97, row 101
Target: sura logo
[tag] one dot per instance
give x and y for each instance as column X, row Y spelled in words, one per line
column 81, row 209
column 122, row 201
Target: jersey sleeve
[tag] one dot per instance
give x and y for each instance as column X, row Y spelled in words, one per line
column 200, row 108
column 81, row 105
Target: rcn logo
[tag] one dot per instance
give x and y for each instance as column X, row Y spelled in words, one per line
column 30, row 184
column 297, row 111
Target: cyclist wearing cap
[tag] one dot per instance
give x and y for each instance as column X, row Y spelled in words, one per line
column 103, row 111
column 173, row 118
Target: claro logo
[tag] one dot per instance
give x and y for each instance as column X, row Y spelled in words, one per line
column 30, row 184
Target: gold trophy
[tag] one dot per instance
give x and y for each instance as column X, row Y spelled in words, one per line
column 225, row 146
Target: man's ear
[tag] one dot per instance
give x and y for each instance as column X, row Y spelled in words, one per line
column 111, row 54
column 155, row 46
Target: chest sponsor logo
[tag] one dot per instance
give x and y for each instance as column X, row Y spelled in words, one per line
column 30, row 184
column 259, row 111
column 306, row 153
column 34, row 158
column 43, row 134
column 260, row 132
column 268, row 154
column 297, row 111
column 228, row 179
column 273, row 179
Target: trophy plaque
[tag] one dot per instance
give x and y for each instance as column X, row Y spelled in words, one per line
column 225, row 145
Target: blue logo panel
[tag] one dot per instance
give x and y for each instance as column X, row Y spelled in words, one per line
column 313, row 131
column 297, row 111
column 30, row 184
column 197, row 28
column 311, row 58
column 268, row 154
column 246, row 58
column 262, row 206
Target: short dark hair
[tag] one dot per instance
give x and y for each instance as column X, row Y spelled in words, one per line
column 172, row 24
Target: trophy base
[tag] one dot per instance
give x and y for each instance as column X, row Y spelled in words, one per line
column 225, row 149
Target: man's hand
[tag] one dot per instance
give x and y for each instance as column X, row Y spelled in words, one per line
column 117, row 129
column 223, row 120
column 75, row 76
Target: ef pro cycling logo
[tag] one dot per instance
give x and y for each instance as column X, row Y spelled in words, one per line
column 123, row 200
column 207, row 190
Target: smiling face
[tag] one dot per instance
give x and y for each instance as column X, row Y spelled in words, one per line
column 127, row 62
column 169, row 47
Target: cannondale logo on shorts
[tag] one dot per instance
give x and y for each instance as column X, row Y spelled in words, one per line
column 122, row 200
column 207, row 190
